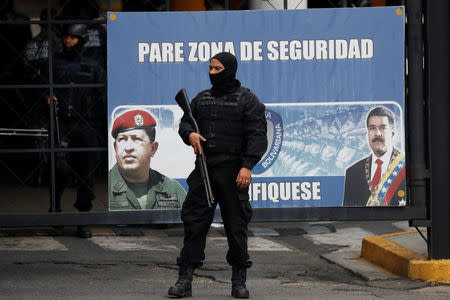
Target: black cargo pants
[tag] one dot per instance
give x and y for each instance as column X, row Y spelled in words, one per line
column 197, row 216
column 80, row 165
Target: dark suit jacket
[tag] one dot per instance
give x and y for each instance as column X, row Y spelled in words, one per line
column 357, row 184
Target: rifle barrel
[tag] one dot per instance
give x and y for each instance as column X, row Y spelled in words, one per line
column 182, row 100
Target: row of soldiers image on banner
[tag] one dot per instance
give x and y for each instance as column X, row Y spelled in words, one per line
column 361, row 141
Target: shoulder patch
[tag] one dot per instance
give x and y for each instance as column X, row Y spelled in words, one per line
column 119, row 184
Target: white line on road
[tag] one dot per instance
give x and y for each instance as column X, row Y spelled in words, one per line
column 30, row 243
column 254, row 244
column 132, row 243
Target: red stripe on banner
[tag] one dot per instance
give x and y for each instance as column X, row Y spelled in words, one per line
column 394, row 185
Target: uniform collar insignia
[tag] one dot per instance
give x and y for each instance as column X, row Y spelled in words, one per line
column 119, row 184
column 159, row 187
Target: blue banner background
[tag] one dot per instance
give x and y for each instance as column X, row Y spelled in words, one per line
column 357, row 83
column 379, row 78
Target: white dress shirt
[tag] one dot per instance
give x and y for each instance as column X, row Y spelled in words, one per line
column 386, row 158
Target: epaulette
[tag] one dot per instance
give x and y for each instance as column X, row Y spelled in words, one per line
column 155, row 177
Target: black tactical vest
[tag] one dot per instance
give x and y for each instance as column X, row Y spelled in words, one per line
column 221, row 121
column 74, row 101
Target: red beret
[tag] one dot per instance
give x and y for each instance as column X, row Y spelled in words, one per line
column 133, row 119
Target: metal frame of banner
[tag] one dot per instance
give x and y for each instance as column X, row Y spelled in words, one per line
column 287, row 214
column 415, row 122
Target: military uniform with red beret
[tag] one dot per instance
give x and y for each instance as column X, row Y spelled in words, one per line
column 162, row 192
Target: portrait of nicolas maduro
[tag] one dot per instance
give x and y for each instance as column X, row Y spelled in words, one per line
column 379, row 178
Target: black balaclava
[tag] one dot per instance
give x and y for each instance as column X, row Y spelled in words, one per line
column 225, row 82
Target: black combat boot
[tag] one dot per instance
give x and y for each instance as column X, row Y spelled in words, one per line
column 183, row 286
column 238, row 278
column 83, row 231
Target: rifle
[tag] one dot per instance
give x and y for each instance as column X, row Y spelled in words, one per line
column 183, row 102
column 58, row 134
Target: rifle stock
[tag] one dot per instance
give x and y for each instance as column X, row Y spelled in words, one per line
column 183, row 102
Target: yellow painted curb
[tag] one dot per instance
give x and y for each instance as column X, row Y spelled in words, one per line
column 404, row 262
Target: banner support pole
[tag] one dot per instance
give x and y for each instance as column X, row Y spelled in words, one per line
column 436, row 21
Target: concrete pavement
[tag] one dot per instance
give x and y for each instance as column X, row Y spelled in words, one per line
column 291, row 261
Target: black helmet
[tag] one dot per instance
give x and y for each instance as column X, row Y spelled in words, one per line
column 80, row 31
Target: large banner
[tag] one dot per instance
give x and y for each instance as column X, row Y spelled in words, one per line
column 332, row 81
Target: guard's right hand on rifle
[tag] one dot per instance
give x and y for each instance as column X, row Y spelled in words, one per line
column 195, row 140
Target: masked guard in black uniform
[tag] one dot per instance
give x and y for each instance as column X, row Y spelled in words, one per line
column 233, row 136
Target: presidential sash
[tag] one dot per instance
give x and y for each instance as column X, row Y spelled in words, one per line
column 389, row 182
